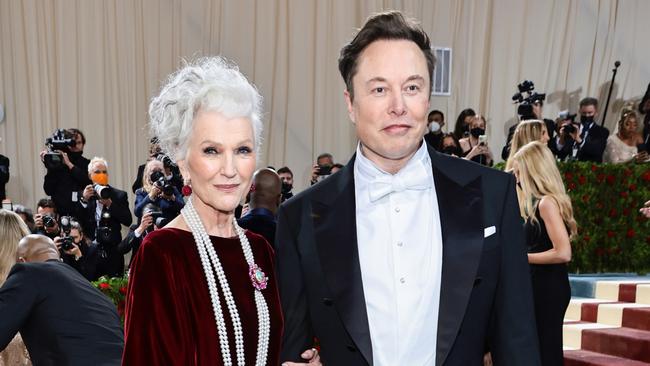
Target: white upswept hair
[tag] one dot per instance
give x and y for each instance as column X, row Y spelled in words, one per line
column 96, row 160
column 206, row 84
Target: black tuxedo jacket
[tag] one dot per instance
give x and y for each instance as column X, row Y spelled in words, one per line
column 594, row 144
column 485, row 294
column 62, row 318
column 120, row 215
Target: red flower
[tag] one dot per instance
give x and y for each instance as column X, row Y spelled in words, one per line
column 630, row 233
column 123, row 290
column 613, row 213
column 611, row 179
column 624, row 194
column 600, row 177
column 632, row 187
column 585, row 198
column 572, row 186
column 610, row 234
column 582, row 179
column 104, row 286
column 586, row 238
column 627, row 172
column 568, row 176
column 646, row 176
column 594, row 167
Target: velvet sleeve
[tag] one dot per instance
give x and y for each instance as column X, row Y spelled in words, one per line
column 155, row 330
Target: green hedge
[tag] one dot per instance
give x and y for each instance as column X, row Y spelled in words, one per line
column 612, row 235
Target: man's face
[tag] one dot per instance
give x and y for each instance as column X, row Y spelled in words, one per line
column 391, row 99
column 45, row 211
column 79, row 145
column 588, row 111
column 76, row 236
column 325, row 161
column 436, row 117
column 286, row 178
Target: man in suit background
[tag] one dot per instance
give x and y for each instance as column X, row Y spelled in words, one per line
column 265, row 199
column 104, row 209
column 591, row 141
column 406, row 256
column 62, row 318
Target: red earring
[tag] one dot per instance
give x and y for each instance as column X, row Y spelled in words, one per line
column 187, row 189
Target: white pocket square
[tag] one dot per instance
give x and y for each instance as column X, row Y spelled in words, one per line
column 489, row 231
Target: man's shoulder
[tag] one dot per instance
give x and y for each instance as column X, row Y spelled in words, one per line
column 42, row 270
column 463, row 169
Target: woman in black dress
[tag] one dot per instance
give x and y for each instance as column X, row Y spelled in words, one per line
column 549, row 225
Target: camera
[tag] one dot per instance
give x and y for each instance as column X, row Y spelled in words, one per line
column 324, row 170
column 166, row 160
column 161, row 222
column 103, row 192
column 66, row 225
column 48, row 221
column 66, row 243
column 103, row 233
column 526, row 97
column 60, row 140
column 158, row 180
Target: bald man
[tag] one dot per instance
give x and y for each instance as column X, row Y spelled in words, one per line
column 265, row 198
column 62, row 318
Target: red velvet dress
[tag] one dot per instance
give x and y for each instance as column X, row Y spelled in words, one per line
column 169, row 316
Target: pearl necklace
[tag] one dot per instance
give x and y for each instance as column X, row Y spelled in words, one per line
column 211, row 263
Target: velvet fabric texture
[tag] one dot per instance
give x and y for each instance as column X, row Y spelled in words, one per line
column 169, row 316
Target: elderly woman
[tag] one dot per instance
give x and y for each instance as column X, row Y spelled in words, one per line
column 622, row 147
column 202, row 290
column 12, row 229
column 157, row 191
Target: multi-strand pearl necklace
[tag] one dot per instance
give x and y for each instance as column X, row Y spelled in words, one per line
column 211, row 264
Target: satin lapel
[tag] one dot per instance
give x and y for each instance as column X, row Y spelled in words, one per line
column 334, row 219
column 460, row 203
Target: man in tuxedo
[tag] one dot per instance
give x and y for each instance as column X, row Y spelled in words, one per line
column 406, row 256
column 104, row 209
column 62, row 318
column 590, row 143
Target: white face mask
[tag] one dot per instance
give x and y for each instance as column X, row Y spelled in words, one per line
column 434, row 127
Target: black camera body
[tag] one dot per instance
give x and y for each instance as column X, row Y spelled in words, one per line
column 60, row 140
column 104, row 231
column 66, row 243
column 324, row 170
column 158, row 180
column 526, row 97
column 48, row 221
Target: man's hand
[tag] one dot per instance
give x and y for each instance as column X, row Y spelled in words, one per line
column 57, row 242
column 312, row 357
column 314, row 173
column 66, row 159
column 74, row 251
column 147, row 221
column 645, row 210
column 42, row 155
column 107, row 202
column 88, row 193
column 38, row 221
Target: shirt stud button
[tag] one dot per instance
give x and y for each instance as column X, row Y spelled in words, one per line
column 402, row 280
column 399, row 244
column 396, row 209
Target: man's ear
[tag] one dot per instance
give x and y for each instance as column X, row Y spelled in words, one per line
column 348, row 103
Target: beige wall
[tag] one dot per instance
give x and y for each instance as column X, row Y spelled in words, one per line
column 94, row 64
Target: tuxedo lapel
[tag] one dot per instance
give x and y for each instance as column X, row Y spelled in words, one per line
column 334, row 220
column 460, row 202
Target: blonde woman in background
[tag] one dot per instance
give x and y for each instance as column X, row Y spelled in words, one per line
column 622, row 147
column 527, row 131
column 12, row 229
column 549, row 225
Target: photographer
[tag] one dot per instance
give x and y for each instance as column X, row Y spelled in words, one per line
column 4, row 175
column 159, row 191
column 73, row 245
column 286, row 175
column 475, row 145
column 323, row 168
column 567, row 131
column 104, row 209
column 591, row 142
column 66, row 169
column 152, row 219
column 46, row 220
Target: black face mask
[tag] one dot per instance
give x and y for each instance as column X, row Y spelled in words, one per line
column 286, row 187
column 586, row 119
column 449, row 150
column 75, row 154
column 477, row 131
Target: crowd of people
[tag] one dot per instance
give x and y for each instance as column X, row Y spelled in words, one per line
column 229, row 267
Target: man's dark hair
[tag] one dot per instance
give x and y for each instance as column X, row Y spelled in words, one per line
column 338, row 165
column 325, row 155
column 285, row 169
column 435, row 111
column 46, row 203
column 390, row 25
column 589, row 101
column 76, row 131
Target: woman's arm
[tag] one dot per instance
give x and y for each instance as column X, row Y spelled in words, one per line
column 557, row 232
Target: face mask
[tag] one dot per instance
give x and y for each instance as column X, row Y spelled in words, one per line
column 586, row 119
column 434, row 127
column 449, row 150
column 476, row 132
column 286, row 187
column 75, row 154
column 99, row 178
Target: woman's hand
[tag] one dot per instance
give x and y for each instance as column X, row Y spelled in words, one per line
column 312, row 357
column 154, row 193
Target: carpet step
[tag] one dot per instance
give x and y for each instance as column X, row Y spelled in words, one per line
column 588, row 358
column 627, row 343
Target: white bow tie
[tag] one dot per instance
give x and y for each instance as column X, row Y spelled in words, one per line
column 413, row 178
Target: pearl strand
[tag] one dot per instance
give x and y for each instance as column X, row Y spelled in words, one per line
column 210, row 259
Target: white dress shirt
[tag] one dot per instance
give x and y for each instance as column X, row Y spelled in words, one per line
column 400, row 254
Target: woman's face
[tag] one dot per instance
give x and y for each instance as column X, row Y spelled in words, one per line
column 477, row 122
column 76, row 236
column 220, row 160
column 630, row 125
column 153, row 166
column 545, row 136
column 448, row 141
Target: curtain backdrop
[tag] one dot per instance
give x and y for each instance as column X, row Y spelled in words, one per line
column 95, row 64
